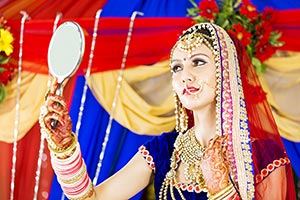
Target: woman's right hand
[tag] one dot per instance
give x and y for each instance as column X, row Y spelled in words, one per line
column 57, row 119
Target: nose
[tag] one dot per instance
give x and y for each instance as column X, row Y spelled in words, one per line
column 187, row 77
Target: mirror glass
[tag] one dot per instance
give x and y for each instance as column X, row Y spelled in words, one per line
column 65, row 50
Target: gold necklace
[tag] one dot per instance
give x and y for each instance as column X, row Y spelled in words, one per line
column 190, row 152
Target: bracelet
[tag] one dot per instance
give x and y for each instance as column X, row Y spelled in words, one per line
column 86, row 195
column 59, row 152
column 65, row 152
column 223, row 193
column 76, row 178
column 72, row 175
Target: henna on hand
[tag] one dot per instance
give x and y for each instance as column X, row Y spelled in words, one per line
column 214, row 168
column 57, row 118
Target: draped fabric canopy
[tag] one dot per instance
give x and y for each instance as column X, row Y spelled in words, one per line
column 146, row 76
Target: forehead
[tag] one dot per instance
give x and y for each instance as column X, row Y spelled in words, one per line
column 202, row 49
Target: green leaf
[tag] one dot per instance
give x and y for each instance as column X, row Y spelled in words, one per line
column 2, row 69
column 259, row 67
column 194, row 3
column 2, row 92
column 273, row 40
column 4, row 60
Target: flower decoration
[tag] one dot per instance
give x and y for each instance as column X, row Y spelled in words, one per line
column 242, row 19
column 6, row 48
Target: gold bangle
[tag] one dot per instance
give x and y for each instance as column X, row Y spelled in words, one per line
column 221, row 194
column 70, row 148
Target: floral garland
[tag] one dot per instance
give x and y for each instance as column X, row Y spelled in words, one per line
column 242, row 19
column 6, row 48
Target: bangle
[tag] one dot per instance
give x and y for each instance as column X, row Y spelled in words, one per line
column 66, row 151
column 223, row 193
column 88, row 193
column 76, row 178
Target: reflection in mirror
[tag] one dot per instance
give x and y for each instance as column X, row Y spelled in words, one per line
column 65, row 51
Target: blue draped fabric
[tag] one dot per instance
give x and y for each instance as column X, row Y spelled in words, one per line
column 122, row 142
column 293, row 151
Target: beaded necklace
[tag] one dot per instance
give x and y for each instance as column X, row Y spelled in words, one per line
column 190, row 152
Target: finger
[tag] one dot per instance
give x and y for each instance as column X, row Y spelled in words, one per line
column 58, row 123
column 54, row 86
column 56, row 103
column 52, row 121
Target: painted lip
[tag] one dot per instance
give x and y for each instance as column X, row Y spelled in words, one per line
column 190, row 90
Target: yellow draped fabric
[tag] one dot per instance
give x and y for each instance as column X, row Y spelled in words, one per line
column 281, row 81
column 32, row 90
column 145, row 104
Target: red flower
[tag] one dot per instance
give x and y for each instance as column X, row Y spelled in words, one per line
column 7, row 74
column 241, row 33
column 268, row 15
column 208, row 8
column 264, row 51
column 263, row 31
column 248, row 9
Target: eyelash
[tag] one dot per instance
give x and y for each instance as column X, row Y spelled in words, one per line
column 196, row 63
column 175, row 68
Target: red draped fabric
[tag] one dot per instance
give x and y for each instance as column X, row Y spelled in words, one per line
column 45, row 9
column 151, row 41
column 26, row 166
column 288, row 22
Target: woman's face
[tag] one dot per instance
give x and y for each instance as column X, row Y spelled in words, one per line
column 194, row 77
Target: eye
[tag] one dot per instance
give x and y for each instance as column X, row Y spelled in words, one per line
column 176, row 68
column 198, row 62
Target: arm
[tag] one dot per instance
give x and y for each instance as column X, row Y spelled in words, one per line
column 131, row 179
column 69, row 166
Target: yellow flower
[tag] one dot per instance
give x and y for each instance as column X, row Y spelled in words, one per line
column 6, row 39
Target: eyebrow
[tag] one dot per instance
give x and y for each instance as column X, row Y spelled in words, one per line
column 201, row 54
column 194, row 55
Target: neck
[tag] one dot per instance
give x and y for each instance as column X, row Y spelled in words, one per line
column 205, row 124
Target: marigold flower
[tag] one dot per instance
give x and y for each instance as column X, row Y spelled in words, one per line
column 6, row 40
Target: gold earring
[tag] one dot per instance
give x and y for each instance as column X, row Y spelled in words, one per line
column 181, row 116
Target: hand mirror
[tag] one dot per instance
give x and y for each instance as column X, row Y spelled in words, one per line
column 65, row 51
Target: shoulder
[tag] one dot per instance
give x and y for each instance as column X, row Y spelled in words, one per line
column 165, row 140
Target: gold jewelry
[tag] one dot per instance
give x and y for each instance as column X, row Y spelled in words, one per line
column 181, row 116
column 223, row 193
column 190, row 152
column 190, row 42
column 66, row 152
